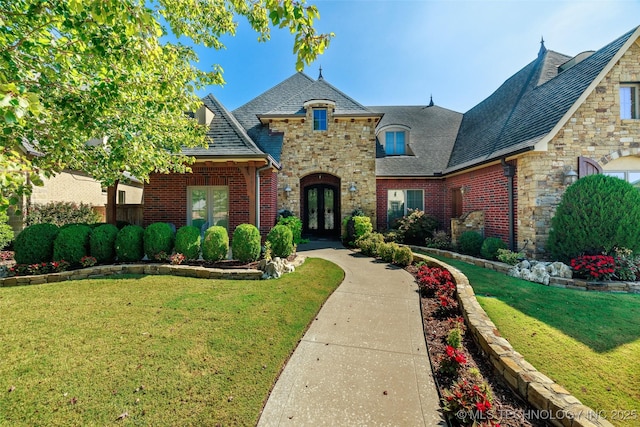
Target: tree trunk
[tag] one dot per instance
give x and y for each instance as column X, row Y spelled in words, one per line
column 112, row 199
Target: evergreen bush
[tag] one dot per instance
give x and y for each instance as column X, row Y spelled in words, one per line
column 596, row 214
column 158, row 240
column 62, row 213
column 102, row 243
column 6, row 232
column 280, row 239
column 188, row 240
column 386, row 251
column 245, row 245
column 34, row 244
column 470, row 243
column 295, row 224
column 72, row 243
column 369, row 244
column 402, row 256
column 130, row 243
column 215, row 245
column 490, row 247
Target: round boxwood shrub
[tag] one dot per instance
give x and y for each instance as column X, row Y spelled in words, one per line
column 369, row 244
column 158, row 240
column 470, row 243
column 402, row 256
column 102, row 243
column 188, row 242
column 215, row 245
column 596, row 214
column 490, row 246
column 245, row 245
column 129, row 243
column 34, row 244
column 72, row 243
column 281, row 239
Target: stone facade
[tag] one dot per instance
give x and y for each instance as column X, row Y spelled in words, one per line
column 595, row 131
column 346, row 150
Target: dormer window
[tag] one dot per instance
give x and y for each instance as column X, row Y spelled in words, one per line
column 629, row 108
column 320, row 119
column 395, row 143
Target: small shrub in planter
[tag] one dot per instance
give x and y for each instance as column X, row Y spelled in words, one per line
column 490, row 247
column 34, row 244
column 280, row 239
column 402, row 256
column 416, row 227
column 453, row 360
column 130, row 243
column 627, row 265
column 355, row 226
column 594, row 267
column 386, row 251
column 72, row 243
column 158, row 240
column 245, row 245
column 188, row 240
column 470, row 243
column 369, row 244
column 509, row 257
column 215, row 245
column 440, row 240
column 295, row 224
column 468, row 402
column 102, row 243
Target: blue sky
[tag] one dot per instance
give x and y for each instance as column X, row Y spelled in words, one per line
column 400, row 52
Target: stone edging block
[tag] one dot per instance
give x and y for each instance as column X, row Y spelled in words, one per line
column 562, row 409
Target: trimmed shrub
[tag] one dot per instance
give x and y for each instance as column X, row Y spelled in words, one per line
column 215, row 245
column 386, row 251
column 595, row 215
column 62, row 213
column 102, row 243
column 158, row 240
column 130, row 243
column 280, row 239
column 34, row 244
column 361, row 226
column 490, row 247
column 6, row 232
column 245, row 245
column 509, row 257
column 188, row 240
column 369, row 244
column 416, row 227
column 403, row 256
column 470, row 243
column 295, row 224
column 440, row 240
column 72, row 243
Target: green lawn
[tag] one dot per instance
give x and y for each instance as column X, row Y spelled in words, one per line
column 587, row 341
column 163, row 350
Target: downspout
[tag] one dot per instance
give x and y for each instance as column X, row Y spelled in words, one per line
column 510, row 172
column 267, row 166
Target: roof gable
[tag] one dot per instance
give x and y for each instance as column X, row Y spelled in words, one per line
column 528, row 106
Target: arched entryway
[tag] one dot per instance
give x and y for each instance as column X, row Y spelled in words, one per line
column 320, row 205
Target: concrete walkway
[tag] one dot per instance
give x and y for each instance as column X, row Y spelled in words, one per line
column 363, row 361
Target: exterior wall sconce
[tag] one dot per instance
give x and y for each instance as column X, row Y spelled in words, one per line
column 287, row 190
column 464, row 190
column 569, row 176
column 352, row 188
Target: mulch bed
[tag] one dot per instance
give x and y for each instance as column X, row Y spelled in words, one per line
column 507, row 408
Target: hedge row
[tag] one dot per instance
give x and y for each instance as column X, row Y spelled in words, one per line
column 73, row 243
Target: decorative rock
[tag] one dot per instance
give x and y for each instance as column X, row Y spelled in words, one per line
column 275, row 268
column 540, row 272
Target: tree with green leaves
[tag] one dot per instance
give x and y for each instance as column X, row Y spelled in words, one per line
column 90, row 85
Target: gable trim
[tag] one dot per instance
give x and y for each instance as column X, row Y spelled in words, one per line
column 543, row 145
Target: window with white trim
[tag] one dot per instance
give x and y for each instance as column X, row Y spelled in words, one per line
column 629, row 108
column 208, row 206
column 400, row 202
column 631, row 176
column 394, row 143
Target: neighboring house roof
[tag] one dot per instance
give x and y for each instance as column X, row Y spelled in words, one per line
column 527, row 106
column 432, row 132
column 227, row 138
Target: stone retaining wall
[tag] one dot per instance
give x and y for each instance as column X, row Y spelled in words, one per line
column 153, row 269
column 559, row 406
column 558, row 282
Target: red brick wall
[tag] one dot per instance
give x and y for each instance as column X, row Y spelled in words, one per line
column 433, row 198
column 487, row 191
column 165, row 197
